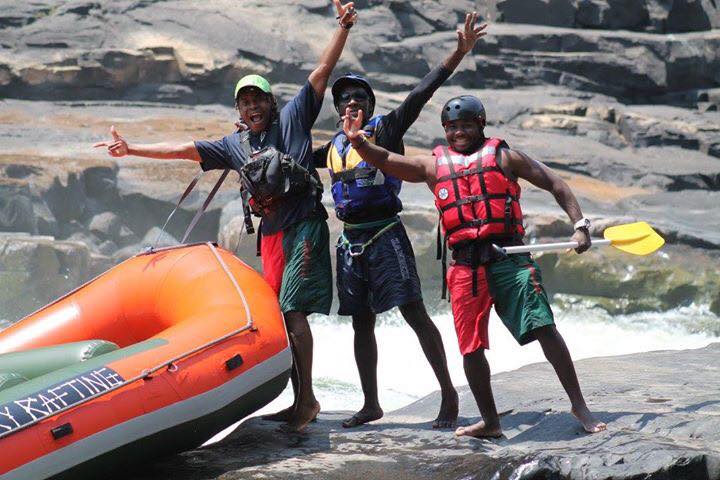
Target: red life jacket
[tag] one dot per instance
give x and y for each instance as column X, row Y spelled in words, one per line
column 475, row 199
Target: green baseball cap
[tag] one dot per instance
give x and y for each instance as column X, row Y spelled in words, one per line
column 253, row 81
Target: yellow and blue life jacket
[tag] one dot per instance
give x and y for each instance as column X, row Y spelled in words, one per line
column 357, row 186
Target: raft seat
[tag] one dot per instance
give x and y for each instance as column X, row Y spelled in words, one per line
column 19, row 367
column 10, row 379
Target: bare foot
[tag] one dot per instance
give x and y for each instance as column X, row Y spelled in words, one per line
column 479, row 430
column 281, row 416
column 365, row 415
column 447, row 418
column 588, row 421
column 303, row 415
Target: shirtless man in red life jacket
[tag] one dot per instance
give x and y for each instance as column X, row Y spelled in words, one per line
column 475, row 182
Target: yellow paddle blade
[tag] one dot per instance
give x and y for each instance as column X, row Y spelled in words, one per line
column 637, row 238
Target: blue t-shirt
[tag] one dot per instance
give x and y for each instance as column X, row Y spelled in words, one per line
column 295, row 122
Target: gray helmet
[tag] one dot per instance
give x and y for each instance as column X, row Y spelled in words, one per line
column 464, row 107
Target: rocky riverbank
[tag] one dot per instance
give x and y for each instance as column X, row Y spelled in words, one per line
column 57, row 187
column 662, row 425
column 620, row 97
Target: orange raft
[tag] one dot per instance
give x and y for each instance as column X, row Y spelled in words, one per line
column 201, row 343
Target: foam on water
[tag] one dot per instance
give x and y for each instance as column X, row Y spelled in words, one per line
column 405, row 376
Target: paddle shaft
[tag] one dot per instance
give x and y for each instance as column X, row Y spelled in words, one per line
column 545, row 247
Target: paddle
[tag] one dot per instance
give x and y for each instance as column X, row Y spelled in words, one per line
column 637, row 238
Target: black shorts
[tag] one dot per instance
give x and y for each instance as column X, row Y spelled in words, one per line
column 383, row 277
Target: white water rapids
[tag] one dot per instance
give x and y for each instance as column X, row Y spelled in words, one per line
column 405, row 376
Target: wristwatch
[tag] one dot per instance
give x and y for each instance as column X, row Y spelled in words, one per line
column 583, row 223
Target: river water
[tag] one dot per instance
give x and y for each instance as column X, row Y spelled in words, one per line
column 404, row 375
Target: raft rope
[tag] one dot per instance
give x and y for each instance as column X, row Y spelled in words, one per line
column 200, row 210
column 169, row 364
column 204, row 206
column 185, row 194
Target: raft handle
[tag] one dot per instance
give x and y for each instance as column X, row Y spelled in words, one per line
column 234, row 362
column 61, row 431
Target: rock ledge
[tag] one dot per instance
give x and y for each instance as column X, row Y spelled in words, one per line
column 662, row 410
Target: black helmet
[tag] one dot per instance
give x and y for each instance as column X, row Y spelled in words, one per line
column 353, row 79
column 464, row 107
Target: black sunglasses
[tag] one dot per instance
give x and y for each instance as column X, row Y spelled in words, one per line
column 357, row 95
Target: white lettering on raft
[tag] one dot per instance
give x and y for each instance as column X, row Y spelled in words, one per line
column 10, row 417
column 41, row 404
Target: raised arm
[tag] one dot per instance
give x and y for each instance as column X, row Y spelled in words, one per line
column 319, row 77
column 409, row 169
column 519, row 165
column 119, row 147
column 409, row 110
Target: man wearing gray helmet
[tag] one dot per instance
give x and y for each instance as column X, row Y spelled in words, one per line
column 376, row 269
column 475, row 182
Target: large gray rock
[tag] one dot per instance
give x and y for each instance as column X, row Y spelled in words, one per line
column 656, row 16
column 46, row 223
column 661, row 410
column 624, row 283
column 16, row 210
column 631, row 129
column 689, row 216
column 627, row 65
column 66, row 199
column 188, row 52
column 149, row 191
column 105, row 225
column 36, row 270
column 156, row 238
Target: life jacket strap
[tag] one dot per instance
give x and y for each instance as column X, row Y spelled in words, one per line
column 258, row 242
column 468, row 172
column 477, row 198
column 357, row 173
column 480, row 222
column 444, row 287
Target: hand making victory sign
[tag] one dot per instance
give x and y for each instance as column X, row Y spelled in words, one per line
column 353, row 126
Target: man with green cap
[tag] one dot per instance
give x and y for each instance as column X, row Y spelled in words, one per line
column 277, row 146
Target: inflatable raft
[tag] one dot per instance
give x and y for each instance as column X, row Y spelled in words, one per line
column 154, row 356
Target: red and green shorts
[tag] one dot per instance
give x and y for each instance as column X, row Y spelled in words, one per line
column 513, row 285
column 296, row 264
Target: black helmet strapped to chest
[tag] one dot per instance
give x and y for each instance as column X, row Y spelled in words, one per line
column 464, row 107
column 353, row 79
column 271, row 177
